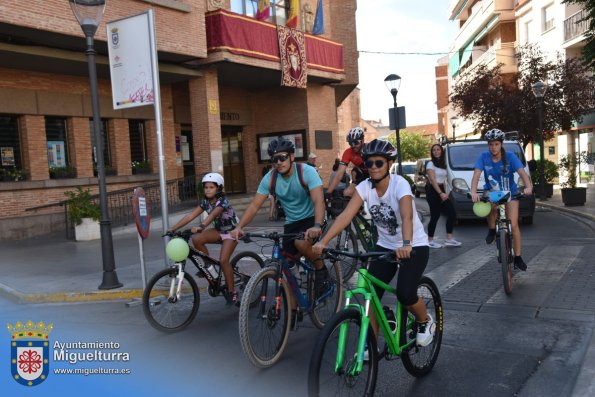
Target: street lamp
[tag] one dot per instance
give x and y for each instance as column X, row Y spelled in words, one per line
column 539, row 89
column 453, row 122
column 393, row 82
column 88, row 13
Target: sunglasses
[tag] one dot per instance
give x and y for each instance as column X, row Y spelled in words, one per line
column 279, row 159
column 355, row 143
column 377, row 163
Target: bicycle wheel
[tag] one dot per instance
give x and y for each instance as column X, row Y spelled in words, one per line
column 264, row 329
column 328, row 378
column 505, row 260
column 244, row 265
column 418, row 361
column 347, row 241
column 330, row 303
column 163, row 309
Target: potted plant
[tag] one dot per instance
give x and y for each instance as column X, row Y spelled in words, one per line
column 141, row 167
column 62, row 172
column 550, row 171
column 571, row 194
column 84, row 213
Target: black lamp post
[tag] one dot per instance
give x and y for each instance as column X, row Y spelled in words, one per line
column 539, row 89
column 453, row 123
column 88, row 13
column 393, row 82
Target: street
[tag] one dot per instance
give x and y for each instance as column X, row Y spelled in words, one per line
column 529, row 344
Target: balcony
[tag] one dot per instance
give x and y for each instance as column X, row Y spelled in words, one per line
column 575, row 26
column 243, row 46
column 502, row 53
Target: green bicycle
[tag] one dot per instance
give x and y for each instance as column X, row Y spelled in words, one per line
column 338, row 365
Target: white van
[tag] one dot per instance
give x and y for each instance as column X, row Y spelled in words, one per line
column 460, row 160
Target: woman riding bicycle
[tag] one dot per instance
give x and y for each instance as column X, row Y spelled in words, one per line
column 392, row 208
column 499, row 167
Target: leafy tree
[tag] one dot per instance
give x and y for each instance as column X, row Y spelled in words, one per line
column 589, row 49
column 492, row 99
column 413, row 146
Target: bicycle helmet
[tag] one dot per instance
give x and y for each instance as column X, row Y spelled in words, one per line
column 379, row 148
column 280, row 145
column 355, row 134
column 215, row 178
column 494, row 135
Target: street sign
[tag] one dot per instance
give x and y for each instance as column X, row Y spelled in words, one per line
column 140, row 208
column 400, row 115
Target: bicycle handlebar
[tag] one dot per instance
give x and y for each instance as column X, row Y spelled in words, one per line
column 486, row 199
column 275, row 236
column 363, row 256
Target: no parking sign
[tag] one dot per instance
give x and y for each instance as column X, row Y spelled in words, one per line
column 142, row 218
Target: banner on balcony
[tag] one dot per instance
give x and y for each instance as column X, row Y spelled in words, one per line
column 264, row 10
column 292, row 49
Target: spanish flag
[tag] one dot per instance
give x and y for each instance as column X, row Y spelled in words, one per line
column 292, row 18
column 264, row 10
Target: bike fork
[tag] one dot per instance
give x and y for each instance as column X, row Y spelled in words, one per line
column 176, row 287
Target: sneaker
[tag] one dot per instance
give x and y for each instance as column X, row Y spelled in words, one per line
column 452, row 243
column 320, row 282
column 434, row 244
column 519, row 263
column 491, row 236
column 296, row 317
column 233, row 299
column 425, row 332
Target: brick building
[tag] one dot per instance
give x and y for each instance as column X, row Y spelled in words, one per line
column 221, row 99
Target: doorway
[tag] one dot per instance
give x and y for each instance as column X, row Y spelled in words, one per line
column 187, row 150
column 233, row 159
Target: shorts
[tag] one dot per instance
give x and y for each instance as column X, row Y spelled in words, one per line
column 225, row 236
column 288, row 246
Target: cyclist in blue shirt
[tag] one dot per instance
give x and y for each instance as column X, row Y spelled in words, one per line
column 499, row 167
column 304, row 209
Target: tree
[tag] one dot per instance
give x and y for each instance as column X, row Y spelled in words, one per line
column 413, row 146
column 492, row 99
column 589, row 49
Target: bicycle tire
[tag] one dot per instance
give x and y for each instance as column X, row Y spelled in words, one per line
column 163, row 313
column 505, row 260
column 244, row 264
column 263, row 336
column 347, row 241
column 417, row 360
column 331, row 304
column 323, row 379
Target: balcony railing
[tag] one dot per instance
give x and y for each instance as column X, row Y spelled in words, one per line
column 575, row 25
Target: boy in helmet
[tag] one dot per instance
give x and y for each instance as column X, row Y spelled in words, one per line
column 352, row 155
column 223, row 218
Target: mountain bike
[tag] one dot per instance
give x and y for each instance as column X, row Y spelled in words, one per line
column 265, row 326
column 504, row 248
column 338, row 365
column 172, row 297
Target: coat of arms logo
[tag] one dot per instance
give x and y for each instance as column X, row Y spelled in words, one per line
column 29, row 354
column 115, row 37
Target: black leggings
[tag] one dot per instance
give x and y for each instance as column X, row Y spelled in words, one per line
column 410, row 272
column 436, row 207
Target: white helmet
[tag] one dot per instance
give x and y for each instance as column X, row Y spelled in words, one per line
column 494, row 135
column 355, row 134
column 214, row 177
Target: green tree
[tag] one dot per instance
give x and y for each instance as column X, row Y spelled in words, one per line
column 413, row 146
column 589, row 49
column 492, row 99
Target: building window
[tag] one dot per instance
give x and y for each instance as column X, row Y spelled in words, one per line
column 278, row 13
column 10, row 145
column 551, row 150
column 547, row 14
column 138, row 140
column 527, row 38
column 56, row 136
column 106, row 148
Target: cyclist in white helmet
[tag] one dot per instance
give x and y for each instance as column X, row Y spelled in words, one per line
column 352, row 155
column 499, row 165
column 222, row 218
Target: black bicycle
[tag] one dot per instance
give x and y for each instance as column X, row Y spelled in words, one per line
column 172, row 297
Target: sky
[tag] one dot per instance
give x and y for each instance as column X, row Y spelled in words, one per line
column 401, row 26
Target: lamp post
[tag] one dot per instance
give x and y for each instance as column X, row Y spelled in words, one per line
column 453, row 123
column 88, row 13
column 393, row 82
column 539, row 89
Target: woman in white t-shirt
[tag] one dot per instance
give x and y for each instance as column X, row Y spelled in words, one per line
column 438, row 199
column 393, row 211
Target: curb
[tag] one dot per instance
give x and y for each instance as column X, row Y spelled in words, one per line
column 65, row 297
column 583, row 216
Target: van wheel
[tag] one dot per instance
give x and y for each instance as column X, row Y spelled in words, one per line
column 528, row 220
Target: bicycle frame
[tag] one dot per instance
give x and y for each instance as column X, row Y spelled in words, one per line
column 365, row 231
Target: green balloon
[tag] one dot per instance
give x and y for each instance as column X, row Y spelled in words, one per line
column 177, row 249
column 482, row 209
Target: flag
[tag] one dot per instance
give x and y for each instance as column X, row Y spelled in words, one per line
column 264, row 10
column 292, row 18
column 318, row 27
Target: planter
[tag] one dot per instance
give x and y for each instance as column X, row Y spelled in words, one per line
column 138, row 171
column 549, row 190
column 88, row 230
column 574, row 196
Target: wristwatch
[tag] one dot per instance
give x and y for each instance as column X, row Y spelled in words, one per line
column 318, row 225
column 406, row 243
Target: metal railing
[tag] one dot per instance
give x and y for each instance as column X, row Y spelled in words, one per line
column 575, row 25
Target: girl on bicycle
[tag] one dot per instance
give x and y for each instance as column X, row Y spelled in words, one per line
column 223, row 218
column 393, row 211
column 499, row 167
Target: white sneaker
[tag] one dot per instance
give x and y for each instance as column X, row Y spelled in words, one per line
column 452, row 243
column 434, row 244
column 425, row 332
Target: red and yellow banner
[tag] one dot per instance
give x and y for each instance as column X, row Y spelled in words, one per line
column 292, row 49
column 264, row 10
column 292, row 18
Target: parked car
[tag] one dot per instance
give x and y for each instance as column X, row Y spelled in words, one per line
column 408, row 172
column 420, row 179
column 460, row 160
